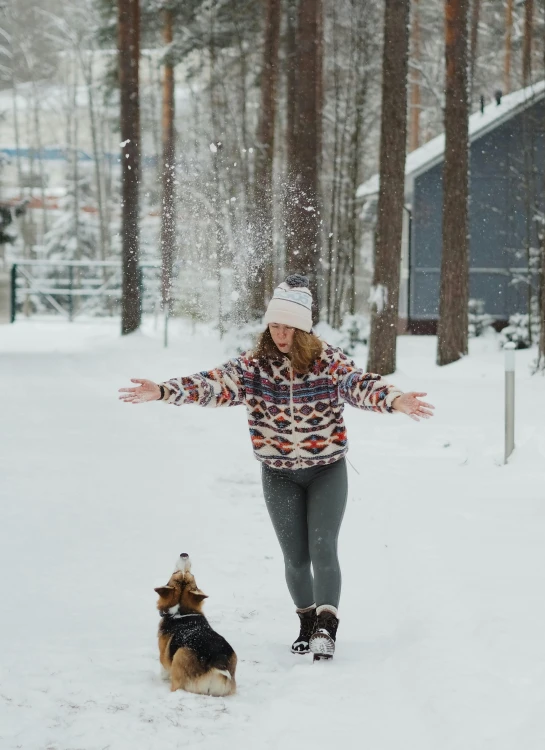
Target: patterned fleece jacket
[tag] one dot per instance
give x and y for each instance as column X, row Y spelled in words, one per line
column 295, row 420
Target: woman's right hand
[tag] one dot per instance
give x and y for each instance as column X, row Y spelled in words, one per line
column 146, row 391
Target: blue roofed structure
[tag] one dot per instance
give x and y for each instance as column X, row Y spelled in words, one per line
column 507, row 187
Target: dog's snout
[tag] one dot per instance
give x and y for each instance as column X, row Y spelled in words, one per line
column 183, row 564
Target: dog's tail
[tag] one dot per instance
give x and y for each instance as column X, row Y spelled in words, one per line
column 218, row 682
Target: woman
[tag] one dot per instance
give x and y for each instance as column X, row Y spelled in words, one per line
column 294, row 387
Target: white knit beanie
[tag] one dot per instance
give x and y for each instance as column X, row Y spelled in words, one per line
column 291, row 304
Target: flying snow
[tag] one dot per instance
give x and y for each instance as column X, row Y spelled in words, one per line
column 378, row 296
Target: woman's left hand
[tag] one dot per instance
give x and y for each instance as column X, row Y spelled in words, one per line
column 410, row 404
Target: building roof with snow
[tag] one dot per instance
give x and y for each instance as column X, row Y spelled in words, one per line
column 480, row 123
column 505, row 210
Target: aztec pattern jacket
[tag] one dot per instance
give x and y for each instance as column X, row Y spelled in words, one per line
column 295, row 420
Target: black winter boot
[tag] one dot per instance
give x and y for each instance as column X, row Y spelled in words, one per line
column 322, row 641
column 307, row 617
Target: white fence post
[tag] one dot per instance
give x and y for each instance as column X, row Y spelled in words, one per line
column 509, row 349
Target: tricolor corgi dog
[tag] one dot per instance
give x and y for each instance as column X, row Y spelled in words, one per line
column 196, row 658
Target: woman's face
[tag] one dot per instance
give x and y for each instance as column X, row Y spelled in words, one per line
column 282, row 336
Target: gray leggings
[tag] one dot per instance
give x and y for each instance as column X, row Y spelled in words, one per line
column 306, row 507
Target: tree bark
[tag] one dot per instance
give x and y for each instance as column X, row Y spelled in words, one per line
column 128, row 59
column 168, row 175
column 453, row 302
column 414, row 138
column 262, row 270
column 527, row 44
column 332, row 241
column 475, row 17
column 541, row 270
column 87, row 70
column 304, row 244
column 508, row 46
column 393, row 136
column 360, row 96
column 291, row 126
column 541, row 309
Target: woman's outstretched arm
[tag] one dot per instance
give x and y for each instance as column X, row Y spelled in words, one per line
column 222, row 386
column 367, row 390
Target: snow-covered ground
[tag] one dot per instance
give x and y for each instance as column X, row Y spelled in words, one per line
column 441, row 642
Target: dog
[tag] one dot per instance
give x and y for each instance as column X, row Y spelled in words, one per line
column 195, row 657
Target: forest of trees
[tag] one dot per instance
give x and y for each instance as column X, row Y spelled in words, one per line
column 228, row 138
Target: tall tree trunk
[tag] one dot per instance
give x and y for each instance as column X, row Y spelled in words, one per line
column 393, row 136
column 168, row 176
column 345, row 195
column 475, row 17
column 219, row 227
column 332, row 240
column 414, row 131
column 541, row 309
column 527, row 45
column 155, row 85
column 304, row 255
column 508, row 46
column 17, row 136
column 37, row 132
column 453, row 302
column 541, row 277
column 75, row 162
column 262, row 270
column 129, row 58
column 243, row 110
column 360, row 95
column 319, row 91
column 87, row 70
column 291, row 127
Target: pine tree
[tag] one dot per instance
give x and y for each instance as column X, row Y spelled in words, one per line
column 262, row 269
column 416, row 76
column 303, row 238
column 527, row 44
column 508, row 46
column 541, row 309
column 453, row 302
column 168, row 176
column 474, row 39
column 128, row 27
column 393, row 136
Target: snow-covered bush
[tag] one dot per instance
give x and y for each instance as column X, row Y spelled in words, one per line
column 478, row 320
column 518, row 330
column 355, row 330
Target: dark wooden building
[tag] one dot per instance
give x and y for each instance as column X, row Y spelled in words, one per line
column 507, row 181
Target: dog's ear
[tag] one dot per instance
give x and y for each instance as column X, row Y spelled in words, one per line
column 198, row 594
column 164, row 591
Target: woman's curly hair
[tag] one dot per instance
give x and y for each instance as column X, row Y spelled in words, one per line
column 304, row 352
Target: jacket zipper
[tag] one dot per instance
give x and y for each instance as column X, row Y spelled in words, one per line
column 292, row 410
